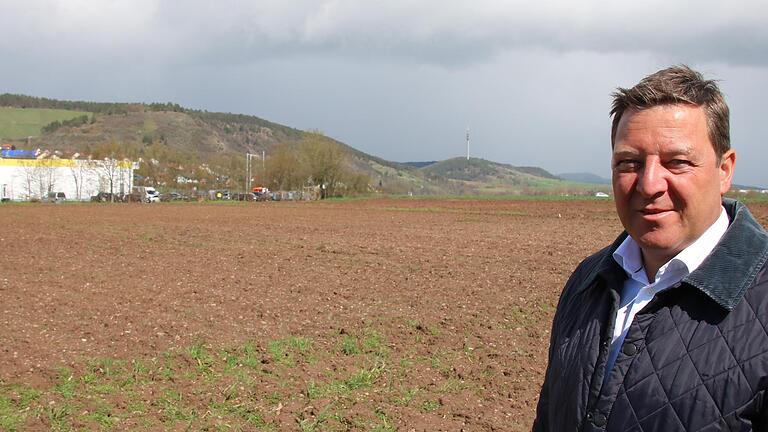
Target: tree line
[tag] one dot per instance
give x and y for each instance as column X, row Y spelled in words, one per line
column 73, row 122
column 313, row 161
column 24, row 101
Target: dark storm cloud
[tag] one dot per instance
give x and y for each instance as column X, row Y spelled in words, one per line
column 439, row 32
column 400, row 79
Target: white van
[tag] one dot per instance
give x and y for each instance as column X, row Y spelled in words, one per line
column 146, row 194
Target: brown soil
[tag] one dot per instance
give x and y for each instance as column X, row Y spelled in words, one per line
column 475, row 282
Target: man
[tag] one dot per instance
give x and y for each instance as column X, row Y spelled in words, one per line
column 667, row 328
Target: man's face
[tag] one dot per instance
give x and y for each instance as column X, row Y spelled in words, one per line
column 667, row 181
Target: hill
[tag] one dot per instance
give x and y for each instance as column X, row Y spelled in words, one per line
column 176, row 146
column 177, row 127
column 476, row 169
column 480, row 176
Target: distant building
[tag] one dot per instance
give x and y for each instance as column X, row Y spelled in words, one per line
column 184, row 180
column 23, row 179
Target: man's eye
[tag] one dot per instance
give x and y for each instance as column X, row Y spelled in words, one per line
column 679, row 163
column 625, row 165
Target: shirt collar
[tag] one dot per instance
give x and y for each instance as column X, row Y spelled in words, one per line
column 629, row 257
column 694, row 255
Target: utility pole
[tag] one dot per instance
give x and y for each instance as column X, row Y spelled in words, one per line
column 249, row 167
column 248, row 170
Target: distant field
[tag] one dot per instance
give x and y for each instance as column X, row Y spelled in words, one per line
column 24, row 122
column 556, row 189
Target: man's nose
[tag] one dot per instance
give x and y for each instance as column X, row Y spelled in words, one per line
column 652, row 180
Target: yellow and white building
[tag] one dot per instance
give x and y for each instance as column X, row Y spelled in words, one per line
column 79, row 179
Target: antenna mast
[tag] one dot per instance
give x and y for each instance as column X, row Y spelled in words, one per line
column 467, row 142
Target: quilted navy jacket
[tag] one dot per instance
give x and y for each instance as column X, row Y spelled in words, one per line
column 694, row 359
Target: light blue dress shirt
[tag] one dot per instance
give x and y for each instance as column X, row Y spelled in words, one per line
column 638, row 291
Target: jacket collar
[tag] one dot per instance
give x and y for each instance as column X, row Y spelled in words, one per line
column 725, row 274
column 734, row 263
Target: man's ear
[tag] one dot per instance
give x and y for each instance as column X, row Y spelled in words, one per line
column 727, row 165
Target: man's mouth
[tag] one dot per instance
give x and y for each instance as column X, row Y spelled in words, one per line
column 654, row 212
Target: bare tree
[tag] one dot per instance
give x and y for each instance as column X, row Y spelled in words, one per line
column 90, row 184
column 30, row 177
column 48, row 175
column 109, row 170
column 77, row 170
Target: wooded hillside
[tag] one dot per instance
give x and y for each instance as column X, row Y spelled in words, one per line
column 180, row 148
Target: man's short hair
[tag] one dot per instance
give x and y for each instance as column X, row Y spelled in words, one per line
column 677, row 85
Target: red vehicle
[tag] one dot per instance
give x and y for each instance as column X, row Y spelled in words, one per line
column 260, row 193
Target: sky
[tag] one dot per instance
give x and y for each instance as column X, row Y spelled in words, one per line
column 400, row 79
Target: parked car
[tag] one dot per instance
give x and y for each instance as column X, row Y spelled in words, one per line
column 104, row 197
column 263, row 196
column 146, row 194
column 218, row 194
column 55, row 197
column 171, row 196
column 242, row 197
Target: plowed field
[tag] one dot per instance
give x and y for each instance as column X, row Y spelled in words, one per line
column 361, row 315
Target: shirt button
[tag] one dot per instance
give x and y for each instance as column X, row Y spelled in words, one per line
column 629, row 349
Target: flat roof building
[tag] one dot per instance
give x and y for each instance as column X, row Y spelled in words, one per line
column 27, row 179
